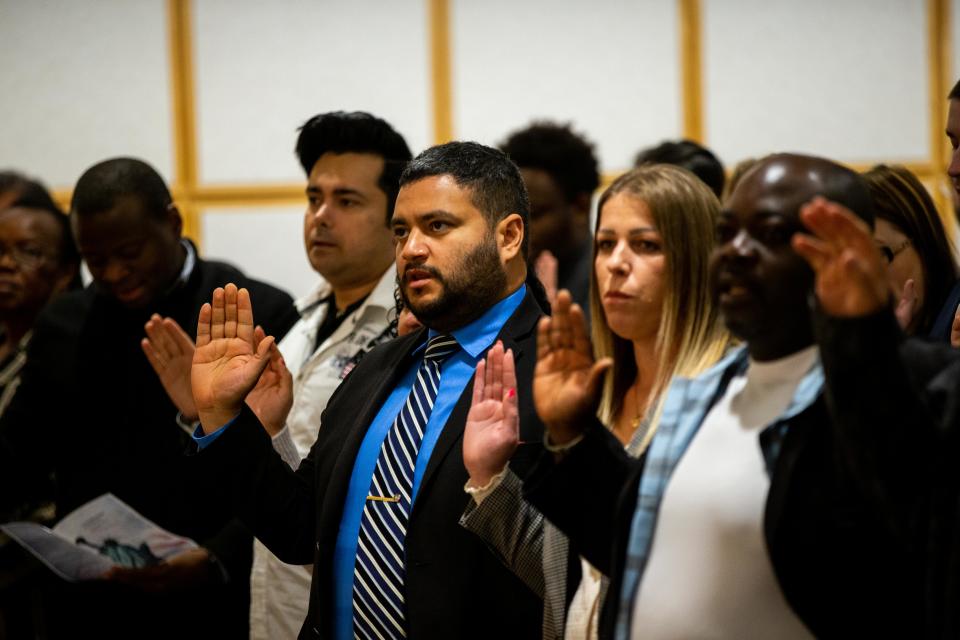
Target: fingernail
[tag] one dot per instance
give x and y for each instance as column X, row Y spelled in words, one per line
column 511, row 393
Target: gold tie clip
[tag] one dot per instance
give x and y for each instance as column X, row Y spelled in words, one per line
column 393, row 498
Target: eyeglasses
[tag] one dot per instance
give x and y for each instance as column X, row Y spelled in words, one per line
column 26, row 256
column 889, row 254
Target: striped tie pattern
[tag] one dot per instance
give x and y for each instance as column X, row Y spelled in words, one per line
column 378, row 576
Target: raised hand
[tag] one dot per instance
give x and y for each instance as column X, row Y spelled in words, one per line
column 170, row 352
column 272, row 398
column 566, row 381
column 227, row 363
column 546, row 266
column 492, row 431
column 851, row 278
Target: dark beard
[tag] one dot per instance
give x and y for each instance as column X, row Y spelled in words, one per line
column 471, row 287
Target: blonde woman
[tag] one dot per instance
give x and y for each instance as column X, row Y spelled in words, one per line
column 652, row 318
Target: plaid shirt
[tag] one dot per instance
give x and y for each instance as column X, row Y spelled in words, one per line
column 687, row 405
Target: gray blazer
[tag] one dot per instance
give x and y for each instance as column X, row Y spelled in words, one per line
column 532, row 548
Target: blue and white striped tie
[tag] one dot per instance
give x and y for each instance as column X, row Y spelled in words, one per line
column 378, row 575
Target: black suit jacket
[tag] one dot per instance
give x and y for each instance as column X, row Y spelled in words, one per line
column 841, row 569
column 91, row 410
column 455, row 588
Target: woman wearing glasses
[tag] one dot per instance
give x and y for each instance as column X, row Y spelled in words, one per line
column 911, row 237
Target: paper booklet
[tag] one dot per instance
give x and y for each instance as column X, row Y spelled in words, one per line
column 103, row 533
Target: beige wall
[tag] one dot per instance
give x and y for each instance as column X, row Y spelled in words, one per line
column 212, row 91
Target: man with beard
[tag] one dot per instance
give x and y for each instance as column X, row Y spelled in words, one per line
column 376, row 504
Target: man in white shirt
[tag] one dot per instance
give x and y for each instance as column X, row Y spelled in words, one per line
column 353, row 163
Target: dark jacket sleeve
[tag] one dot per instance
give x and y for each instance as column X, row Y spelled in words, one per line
column 580, row 494
column 895, row 406
column 276, row 503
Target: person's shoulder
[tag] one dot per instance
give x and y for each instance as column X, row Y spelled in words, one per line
column 223, row 272
column 68, row 309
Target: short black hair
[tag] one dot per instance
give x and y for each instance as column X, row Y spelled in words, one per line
column 566, row 156
column 494, row 181
column 100, row 186
column 955, row 92
column 693, row 157
column 32, row 195
column 356, row 132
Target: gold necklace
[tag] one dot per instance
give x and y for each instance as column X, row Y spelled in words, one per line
column 635, row 423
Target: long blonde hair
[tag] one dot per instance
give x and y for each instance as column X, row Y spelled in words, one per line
column 691, row 337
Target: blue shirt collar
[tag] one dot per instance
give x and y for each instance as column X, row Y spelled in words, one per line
column 475, row 337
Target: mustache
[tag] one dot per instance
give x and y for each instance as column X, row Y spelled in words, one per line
column 433, row 271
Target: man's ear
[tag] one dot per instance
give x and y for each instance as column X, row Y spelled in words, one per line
column 510, row 232
column 175, row 220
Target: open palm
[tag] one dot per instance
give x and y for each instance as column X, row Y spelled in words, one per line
column 492, row 430
column 566, row 380
column 226, row 363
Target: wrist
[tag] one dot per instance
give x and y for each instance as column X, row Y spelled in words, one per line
column 561, row 434
column 212, row 419
column 480, row 478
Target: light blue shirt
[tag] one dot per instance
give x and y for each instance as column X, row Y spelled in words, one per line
column 474, row 339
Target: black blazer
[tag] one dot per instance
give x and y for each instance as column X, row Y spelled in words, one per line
column 91, row 410
column 843, row 572
column 455, row 588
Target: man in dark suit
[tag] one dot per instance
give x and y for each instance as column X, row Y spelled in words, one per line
column 91, row 410
column 376, row 504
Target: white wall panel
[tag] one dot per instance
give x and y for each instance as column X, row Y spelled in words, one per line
column 263, row 68
column 609, row 66
column 265, row 242
column 846, row 79
column 83, row 81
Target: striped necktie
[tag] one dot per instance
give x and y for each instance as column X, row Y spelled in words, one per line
column 379, row 572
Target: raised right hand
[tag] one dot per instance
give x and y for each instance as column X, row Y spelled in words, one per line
column 272, row 397
column 169, row 351
column 566, row 380
column 227, row 363
column 547, row 267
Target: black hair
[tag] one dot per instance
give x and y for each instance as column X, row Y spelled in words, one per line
column 693, row 157
column 901, row 199
column 955, row 92
column 32, row 195
column 103, row 184
column 493, row 180
column 555, row 148
column 355, row 132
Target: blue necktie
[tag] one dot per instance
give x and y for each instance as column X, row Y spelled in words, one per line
column 379, row 572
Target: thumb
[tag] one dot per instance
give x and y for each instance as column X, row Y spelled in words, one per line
column 595, row 377
column 262, row 356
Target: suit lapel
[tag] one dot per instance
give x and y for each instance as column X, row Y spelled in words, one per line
column 372, row 392
column 518, row 326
